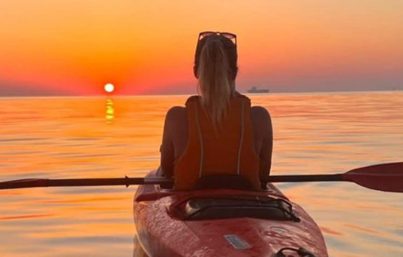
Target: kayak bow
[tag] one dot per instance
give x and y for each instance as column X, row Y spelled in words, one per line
column 224, row 222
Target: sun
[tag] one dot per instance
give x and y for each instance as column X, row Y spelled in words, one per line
column 109, row 87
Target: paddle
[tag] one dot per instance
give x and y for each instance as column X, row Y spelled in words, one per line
column 384, row 177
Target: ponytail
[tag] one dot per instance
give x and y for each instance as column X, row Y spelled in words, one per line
column 216, row 84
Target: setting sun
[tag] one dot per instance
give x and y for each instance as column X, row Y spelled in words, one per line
column 109, row 88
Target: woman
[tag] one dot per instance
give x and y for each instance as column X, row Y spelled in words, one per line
column 218, row 134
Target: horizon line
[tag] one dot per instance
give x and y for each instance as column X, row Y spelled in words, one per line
column 186, row 94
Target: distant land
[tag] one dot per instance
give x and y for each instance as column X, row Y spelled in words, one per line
column 10, row 90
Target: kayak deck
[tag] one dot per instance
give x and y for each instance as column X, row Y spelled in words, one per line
column 223, row 222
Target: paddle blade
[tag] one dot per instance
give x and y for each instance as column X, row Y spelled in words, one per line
column 386, row 177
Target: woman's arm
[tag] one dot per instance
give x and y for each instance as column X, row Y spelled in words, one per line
column 172, row 138
column 167, row 149
column 264, row 139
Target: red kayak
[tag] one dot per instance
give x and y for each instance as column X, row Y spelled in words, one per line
column 224, row 222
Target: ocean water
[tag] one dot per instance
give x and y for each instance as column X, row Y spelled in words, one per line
column 77, row 137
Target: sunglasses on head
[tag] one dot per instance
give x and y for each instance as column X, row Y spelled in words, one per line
column 232, row 46
column 228, row 35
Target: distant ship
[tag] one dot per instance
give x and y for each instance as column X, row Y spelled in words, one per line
column 258, row 90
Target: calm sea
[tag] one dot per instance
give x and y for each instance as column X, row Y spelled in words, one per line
column 113, row 137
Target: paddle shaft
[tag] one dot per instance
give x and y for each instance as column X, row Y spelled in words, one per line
column 29, row 183
column 386, row 177
column 306, row 178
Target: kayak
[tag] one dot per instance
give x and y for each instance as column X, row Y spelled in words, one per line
column 223, row 222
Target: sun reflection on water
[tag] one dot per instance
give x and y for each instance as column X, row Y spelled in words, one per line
column 109, row 111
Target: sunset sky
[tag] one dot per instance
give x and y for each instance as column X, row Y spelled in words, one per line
column 75, row 47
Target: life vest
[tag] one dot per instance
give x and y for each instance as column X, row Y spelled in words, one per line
column 229, row 151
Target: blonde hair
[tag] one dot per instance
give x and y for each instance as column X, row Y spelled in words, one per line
column 216, row 85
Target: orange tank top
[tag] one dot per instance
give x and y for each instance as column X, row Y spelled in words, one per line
column 229, row 151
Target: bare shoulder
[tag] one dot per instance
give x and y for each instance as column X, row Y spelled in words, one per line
column 176, row 115
column 261, row 121
column 176, row 109
column 260, row 113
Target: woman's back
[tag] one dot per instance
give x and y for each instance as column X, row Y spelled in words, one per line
column 176, row 129
column 175, row 138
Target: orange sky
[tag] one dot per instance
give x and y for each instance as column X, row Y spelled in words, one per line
column 75, row 47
